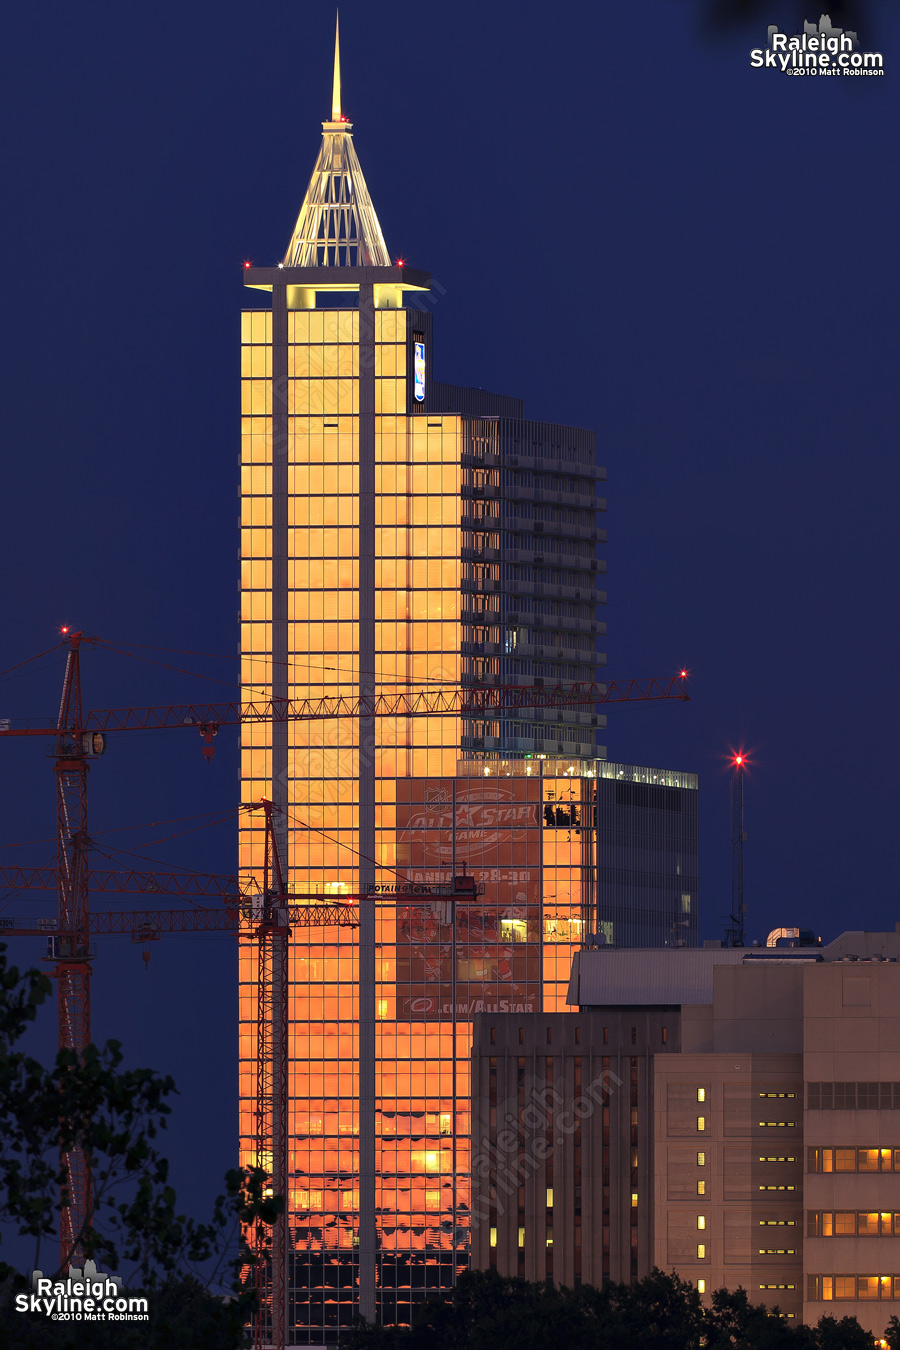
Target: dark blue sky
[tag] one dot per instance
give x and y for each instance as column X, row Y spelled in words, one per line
column 632, row 229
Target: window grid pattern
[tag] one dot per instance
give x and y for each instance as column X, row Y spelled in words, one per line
column 512, row 950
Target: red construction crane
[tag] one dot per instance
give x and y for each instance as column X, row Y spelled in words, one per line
column 462, row 701
column 81, row 738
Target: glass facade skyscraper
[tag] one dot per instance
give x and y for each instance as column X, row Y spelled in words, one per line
column 399, row 533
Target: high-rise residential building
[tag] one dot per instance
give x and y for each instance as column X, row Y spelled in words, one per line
column 399, row 533
column 727, row 1113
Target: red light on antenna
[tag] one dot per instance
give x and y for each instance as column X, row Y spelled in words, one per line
column 246, row 265
column 401, row 262
column 64, row 629
column 682, row 674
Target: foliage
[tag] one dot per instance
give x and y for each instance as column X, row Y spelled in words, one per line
column 892, row 1334
column 184, row 1315
column 115, row 1116
column 660, row 1312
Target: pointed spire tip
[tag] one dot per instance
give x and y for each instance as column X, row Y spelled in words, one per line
column 336, row 87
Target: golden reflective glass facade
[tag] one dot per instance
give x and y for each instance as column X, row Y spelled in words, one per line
column 516, row 826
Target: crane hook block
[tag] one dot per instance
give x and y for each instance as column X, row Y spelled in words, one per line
column 208, row 730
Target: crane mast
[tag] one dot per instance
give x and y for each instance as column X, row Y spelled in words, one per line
column 272, row 943
column 71, row 949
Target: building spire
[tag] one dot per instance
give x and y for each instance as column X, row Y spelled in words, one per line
column 336, row 87
column 337, row 225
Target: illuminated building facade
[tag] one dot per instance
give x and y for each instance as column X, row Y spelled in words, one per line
column 399, row 533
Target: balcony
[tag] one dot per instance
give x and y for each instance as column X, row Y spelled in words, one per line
column 479, row 522
column 584, row 656
column 527, row 458
column 542, row 554
column 554, row 622
column 550, row 529
column 481, row 648
column 480, row 617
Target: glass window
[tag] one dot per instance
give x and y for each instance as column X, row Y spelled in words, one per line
column 868, row 1160
column 701, row 1286
column 701, row 1221
column 701, row 1159
column 701, row 1251
column 701, row 1094
column 844, row 1160
column 701, row 1124
column 844, row 1286
column 701, row 1187
column 868, row 1224
column 868, row 1286
column 845, row 1224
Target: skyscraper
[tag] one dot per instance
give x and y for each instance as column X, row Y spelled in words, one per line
column 400, row 533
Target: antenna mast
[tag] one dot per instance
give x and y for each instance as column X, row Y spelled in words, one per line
column 735, row 934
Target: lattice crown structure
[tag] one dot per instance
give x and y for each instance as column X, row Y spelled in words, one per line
column 337, row 225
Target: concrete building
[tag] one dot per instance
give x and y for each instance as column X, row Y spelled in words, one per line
column 732, row 1114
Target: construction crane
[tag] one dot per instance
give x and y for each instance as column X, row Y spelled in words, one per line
column 449, row 701
column 81, row 738
column 268, row 915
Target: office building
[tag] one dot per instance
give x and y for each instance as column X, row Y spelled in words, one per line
column 400, row 533
column 647, row 852
column 727, row 1113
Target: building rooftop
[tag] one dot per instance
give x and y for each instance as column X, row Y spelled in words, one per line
column 667, row 976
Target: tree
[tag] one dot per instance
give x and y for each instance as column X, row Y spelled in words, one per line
column 115, row 1116
column 892, row 1334
column 732, row 1320
column 660, row 1312
column 845, row 1334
